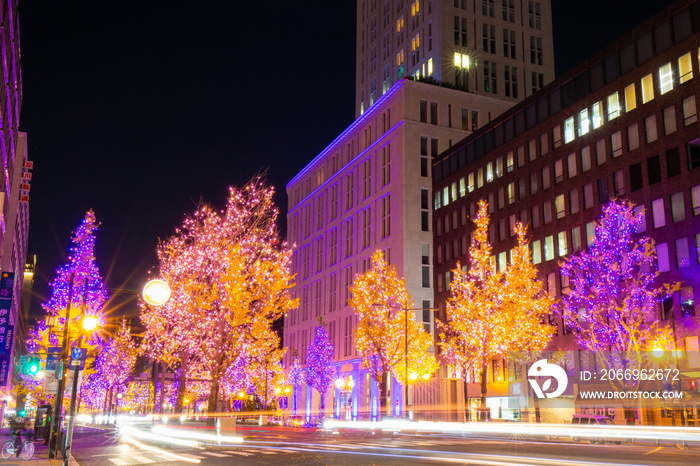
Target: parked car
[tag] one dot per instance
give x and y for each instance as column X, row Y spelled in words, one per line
column 594, row 420
column 274, row 421
column 295, row 421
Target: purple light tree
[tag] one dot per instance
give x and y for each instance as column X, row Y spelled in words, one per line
column 319, row 365
column 296, row 378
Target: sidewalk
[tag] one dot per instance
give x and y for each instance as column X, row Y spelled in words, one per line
column 41, row 458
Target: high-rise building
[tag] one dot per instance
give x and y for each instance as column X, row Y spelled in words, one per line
column 14, row 189
column 622, row 124
column 371, row 188
column 499, row 48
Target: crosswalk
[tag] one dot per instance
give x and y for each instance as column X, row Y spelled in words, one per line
column 146, row 457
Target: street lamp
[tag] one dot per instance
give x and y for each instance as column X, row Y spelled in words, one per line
column 156, row 292
column 406, row 375
column 345, row 386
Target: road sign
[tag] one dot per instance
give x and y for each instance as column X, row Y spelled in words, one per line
column 53, row 356
column 76, row 353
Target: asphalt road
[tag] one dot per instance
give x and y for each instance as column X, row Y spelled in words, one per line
column 281, row 446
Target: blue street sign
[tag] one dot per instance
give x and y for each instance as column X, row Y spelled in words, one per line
column 53, row 356
column 4, row 369
column 76, row 353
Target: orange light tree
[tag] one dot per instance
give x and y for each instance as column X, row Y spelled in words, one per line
column 380, row 299
column 492, row 312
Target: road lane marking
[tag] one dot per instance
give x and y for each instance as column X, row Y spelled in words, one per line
column 194, row 457
column 119, row 461
column 143, row 459
column 655, row 449
column 211, row 453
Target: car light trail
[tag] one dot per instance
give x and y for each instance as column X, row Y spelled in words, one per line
column 675, row 434
column 136, row 443
column 188, row 433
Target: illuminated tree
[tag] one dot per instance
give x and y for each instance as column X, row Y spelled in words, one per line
column 319, row 365
column 380, row 301
column 296, row 378
column 492, row 312
column 77, row 283
column 611, row 296
column 230, row 276
column 116, row 361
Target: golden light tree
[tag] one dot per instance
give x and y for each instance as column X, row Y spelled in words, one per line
column 381, row 303
column 230, row 276
column 491, row 313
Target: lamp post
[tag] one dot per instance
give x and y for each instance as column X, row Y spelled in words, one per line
column 406, row 375
column 345, row 386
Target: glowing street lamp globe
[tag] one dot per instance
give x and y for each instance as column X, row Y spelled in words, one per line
column 156, row 292
column 90, row 323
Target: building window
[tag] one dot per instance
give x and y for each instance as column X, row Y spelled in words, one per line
column 487, row 8
column 533, row 183
column 682, row 253
column 603, row 195
column 647, row 88
column 349, row 237
column 616, row 142
column 585, row 159
column 641, row 215
column 588, row 196
column 561, row 242
column 597, row 115
column 425, row 267
column 695, row 196
column 349, row 190
column 600, row 152
column 571, row 164
column 386, row 165
column 490, row 77
column 666, row 78
column 535, row 216
column 424, row 156
column 547, row 211
column 685, row 68
column 670, row 120
column 386, row 216
column 508, row 43
column 475, row 120
column 619, row 183
column 508, row 10
column 677, row 207
column 536, row 252
column 334, row 201
column 689, row 111
column 569, row 130
column 636, row 177
column 549, row 248
column 511, row 81
column 534, row 16
column 333, row 246
column 650, row 128
column 560, row 206
column 630, row 98
column 424, row 213
column 545, row 177
column 662, row 261
column 423, row 111
column 673, row 162
column 366, row 227
column 318, row 246
column 583, row 122
column 693, row 148
column 613, row 106
column 535, row 50
column 687, row 302
column 657, row 210
column 558, row 171
column 433, row 113
column 632, row 137
column 576, row 239
column 556, row 136
column 511, row 193
column 590, row 233
column 573, row 201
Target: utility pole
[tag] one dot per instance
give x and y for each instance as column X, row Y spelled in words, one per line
column 58, row 402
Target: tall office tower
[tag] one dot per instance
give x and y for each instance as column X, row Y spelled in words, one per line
column 14, row 189
column 499, row 48
column 371, row 188
column 623, row 124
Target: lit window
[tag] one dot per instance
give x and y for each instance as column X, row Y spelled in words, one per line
column 685, row 68
column 465, row 61
column 462, row 187
column 590, row 233
column 695, row 198
column 666, row 78
column 689, row 112
column 489, row 172
column 569, row 130
column 430, row 67
column 561, row 239
column 657, row 210
column 559, row 206
column 458, row 60
column 647, row 88
column 613, row 106
column 536, row 252
column 549, row 248
column 480, row 177
column 662, row 257
column 630, row 98
column 597, row 115
column 470, row 183
column 445, row 196
column 583, row 122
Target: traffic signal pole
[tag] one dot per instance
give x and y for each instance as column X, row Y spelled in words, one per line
column 58, row 401
column 71, row 415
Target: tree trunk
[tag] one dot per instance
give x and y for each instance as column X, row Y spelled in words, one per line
column 321, row 405
column 162, row 388
column 181, row 389
column 484, row 373
column 384, row 406
column 213, row 400
column 467, row 413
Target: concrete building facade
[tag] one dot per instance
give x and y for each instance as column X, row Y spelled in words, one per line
column 623, row 124
column 499, row 48
column 368, row 190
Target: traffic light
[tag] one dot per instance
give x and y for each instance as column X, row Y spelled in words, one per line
column 22, row 413
column 33, row 366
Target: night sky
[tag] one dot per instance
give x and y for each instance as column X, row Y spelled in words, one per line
column 139, row 109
